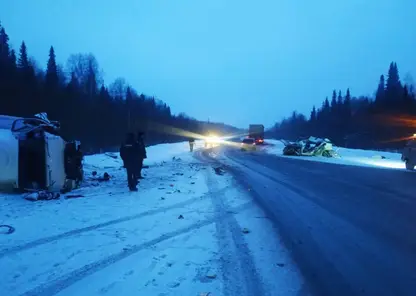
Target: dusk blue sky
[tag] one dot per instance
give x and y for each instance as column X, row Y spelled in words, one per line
column 234, row 61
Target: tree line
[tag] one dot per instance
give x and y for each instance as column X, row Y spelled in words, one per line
column 88, row 110
column 385, row 121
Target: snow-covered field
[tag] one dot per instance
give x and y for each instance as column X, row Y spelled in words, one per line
column 183, row 233
column 348, row 156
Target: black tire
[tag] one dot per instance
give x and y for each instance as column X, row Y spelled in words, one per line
column 409, row 166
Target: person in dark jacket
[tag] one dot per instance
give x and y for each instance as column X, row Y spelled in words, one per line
column 128, row 153
column 141, row 155
column 191, row 144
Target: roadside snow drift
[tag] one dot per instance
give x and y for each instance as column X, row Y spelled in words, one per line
column 356, row 157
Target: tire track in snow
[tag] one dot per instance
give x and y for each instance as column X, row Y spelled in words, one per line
column 55, row 286
column 243, row 279
column 49, row 239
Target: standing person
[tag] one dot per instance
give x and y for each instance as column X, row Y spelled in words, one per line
column 141, row 153
column 128, row 153
column 191, row 144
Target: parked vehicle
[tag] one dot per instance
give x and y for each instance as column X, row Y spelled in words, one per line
column 248, row 144
column 256, row 132
column 409, row 155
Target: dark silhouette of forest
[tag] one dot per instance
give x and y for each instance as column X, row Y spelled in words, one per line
column 88, row 110
column 385, row 121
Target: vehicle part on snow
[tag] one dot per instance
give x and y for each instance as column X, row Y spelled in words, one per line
column 9, row 229
column 42, row 195
column 310, row 147
column 219, row 171
column 211, row 275
column 73, row 196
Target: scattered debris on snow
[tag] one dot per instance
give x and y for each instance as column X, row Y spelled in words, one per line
column 211, row 275
column 219, row 171
column 42, row 195
column 73, row 196
column 245, row 230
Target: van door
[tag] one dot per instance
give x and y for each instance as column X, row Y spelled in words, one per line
column 55, row 162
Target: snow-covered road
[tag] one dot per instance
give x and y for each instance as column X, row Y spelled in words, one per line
column 188, row 231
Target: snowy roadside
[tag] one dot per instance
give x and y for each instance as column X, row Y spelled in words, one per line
column 180, row 234
column 357, row 157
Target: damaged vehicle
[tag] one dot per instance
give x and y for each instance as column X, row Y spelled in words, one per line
column 34, row 157
column 311, row 146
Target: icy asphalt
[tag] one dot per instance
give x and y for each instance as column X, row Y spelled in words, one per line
column 350, row 230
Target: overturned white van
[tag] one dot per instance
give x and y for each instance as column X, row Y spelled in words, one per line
column 32, row 154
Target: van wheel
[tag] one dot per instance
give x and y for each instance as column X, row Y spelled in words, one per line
column 409, row 166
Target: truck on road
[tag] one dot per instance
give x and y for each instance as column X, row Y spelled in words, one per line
column 256, row 131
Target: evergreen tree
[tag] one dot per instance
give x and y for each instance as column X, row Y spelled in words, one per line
column 13, row 58
column 313, row 115
column 408, row 101
column 340, row 96
column 334, row 101
column 334, row 98
column 73, row 84
column 326, row 106
column 91, row 84
column 393, row 84
column 339, row 100
column 346, row 111
column 347, row 96
column 23, row 62
column 51, row 78
column 380, row 93
column 4, row 45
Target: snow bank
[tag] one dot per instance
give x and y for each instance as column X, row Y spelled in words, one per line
column 155, row 155
column 356, row 157
column 164, row 152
